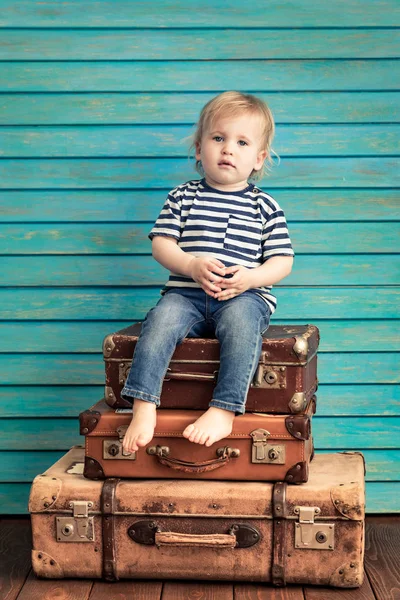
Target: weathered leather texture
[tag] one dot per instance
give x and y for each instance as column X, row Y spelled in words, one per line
column 226, row 530
column 231, row 458
column 285, row 380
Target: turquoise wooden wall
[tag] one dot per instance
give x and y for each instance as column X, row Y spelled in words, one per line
column 97, row 100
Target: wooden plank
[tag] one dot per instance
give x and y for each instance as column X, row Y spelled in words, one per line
column 114, row 44
column 189, row 13
column 324, row 593
column 88, row 369
column 125, row 270
column 15, row 555
column 71, row 589
column 174, row 140
column 172, row 76
column 123, row 206
column 126, row 590
column 382, row 497
column 109, row 108
column 14, row 498
column 68, row 401
column 87, row 336
column 132, row 238
column 330, row 433
column 23, row 466
column 382, row 551
column 252, row 591
column 119, row 173
column 133, row 303
column 179, row 590
column 51, row 401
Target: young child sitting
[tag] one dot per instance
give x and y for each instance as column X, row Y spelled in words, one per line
column 225, row 243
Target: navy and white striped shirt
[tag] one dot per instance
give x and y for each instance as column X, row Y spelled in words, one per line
column 238, row 228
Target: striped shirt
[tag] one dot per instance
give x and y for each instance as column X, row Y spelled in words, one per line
column 238, row 228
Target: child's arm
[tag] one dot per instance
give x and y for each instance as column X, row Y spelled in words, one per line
column 267, row 274
column 205, row 270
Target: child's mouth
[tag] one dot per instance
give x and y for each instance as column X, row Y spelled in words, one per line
column 224, row 163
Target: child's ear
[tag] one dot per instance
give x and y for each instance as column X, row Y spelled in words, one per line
column 262, row 155
column 198, row 151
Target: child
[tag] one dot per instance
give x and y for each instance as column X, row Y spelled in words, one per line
column 225, row 243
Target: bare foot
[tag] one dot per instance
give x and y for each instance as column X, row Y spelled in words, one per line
column 141, row 428
column 211, row 427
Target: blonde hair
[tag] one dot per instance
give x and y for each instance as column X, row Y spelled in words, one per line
column 232, row 104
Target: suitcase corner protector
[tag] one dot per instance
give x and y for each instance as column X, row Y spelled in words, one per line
column 108, row 345
column 45, row 565
column 92, row 469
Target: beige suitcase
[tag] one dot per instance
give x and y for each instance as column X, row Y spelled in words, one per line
column 217, row 530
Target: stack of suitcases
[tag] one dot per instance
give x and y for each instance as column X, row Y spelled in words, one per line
column 256, row 506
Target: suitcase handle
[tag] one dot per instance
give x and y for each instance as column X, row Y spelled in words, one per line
column 190, row 376
column 224, row 455
column 239, row 535
column 220, row 540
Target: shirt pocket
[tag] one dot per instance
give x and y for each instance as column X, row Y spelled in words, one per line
column 243, row 236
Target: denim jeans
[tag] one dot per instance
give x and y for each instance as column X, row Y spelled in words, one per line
column 238, row 324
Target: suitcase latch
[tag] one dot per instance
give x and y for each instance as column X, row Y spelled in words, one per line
column 310, row 535
column 113, row 448
column 269, row 375
column 79, row 526
column 262, row 452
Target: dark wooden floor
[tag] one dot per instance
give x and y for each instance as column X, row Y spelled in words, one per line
column 382, row 581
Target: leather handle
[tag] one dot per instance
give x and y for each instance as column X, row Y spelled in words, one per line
column 149, row 533
column 176, row 375
column 161, row 454
column 219, row 540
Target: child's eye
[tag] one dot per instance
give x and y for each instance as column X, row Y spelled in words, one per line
column 218, row 138
column 242, row 143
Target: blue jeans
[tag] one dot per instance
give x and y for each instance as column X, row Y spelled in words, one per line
column 238, row 324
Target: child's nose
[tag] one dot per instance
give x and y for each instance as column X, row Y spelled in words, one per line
column 227, row 149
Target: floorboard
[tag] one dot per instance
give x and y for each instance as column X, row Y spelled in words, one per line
column 196, row 590
column 322, row 593
column 55, row 589
column 382, row 556
column 15, row 556
column 123, row 590
column 252, row 591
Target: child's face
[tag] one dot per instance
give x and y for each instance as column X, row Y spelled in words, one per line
column 229, row 151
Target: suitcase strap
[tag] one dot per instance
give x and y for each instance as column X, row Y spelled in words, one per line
column 161, row 453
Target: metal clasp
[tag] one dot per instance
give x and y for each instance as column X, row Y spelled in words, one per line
column 262, row 452
column 310, row 535
column 76, row 528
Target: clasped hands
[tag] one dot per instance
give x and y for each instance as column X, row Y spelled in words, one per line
column 211, row 274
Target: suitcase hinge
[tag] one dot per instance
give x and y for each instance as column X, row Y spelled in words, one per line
column 76, row 528
column 262, row 452
column 310, row 535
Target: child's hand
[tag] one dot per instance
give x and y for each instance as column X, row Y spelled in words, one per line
column 236, row 285
column 208, row 272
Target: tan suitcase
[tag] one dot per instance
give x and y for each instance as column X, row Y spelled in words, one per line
column 261, row 447
column 304, row 534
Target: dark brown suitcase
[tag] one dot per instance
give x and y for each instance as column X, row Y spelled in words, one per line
column 175, row 529
column 261, row 447
column 284, row 382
